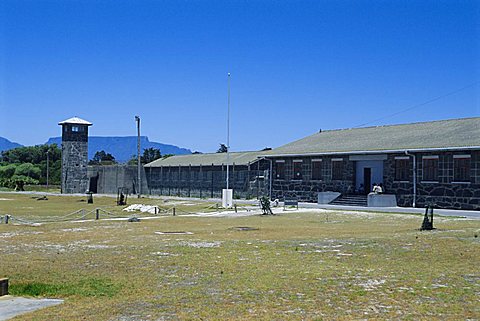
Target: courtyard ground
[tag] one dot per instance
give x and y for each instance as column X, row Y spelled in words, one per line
column 309, row 264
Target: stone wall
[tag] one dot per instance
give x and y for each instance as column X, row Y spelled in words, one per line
column 445, row 193
column 74, row 167
column 307, row 189
column 107, row 179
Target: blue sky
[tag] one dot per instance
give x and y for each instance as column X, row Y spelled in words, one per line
column 297, row 66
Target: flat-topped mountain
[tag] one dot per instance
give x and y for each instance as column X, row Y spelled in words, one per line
column 123, row 148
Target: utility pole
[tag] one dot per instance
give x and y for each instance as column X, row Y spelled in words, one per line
column 227, row 193
column 228, row 129
column 139, row 177
column 48, row 161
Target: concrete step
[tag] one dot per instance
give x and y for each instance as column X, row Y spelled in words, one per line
column 351, row 200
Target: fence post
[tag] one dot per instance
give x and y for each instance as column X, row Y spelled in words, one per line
column 7, row 218
column 97, row 214
column 211, row 186
column 200, row 180
column 189, row 178
column 174, row 211
column 258, row 179
column 161, row 180
column 3, row 286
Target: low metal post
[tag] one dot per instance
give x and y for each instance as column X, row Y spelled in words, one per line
column 97, row 214
column 174, row 211
column 3, row 286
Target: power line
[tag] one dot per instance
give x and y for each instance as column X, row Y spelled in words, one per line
column 421, row 104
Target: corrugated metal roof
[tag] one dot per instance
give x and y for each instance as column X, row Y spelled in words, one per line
column 442, row 134
column 75, row 120
column 237, row 158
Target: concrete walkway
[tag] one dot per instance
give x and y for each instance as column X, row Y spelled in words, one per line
column 407, row 210
column 12, row 306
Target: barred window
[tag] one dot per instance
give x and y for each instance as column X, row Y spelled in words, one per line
column 297, row 170
column 316, row 170
column 337, row 170
column 430, row 169
column 402, row 169
column 461, row 169
column 280, row 170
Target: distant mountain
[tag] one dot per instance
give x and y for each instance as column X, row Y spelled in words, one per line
column 122, row 148
column 5, row 144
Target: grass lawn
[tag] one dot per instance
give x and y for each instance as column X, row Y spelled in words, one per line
column 293, row 266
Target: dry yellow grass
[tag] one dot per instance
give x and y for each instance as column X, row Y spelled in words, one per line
column 295, row 266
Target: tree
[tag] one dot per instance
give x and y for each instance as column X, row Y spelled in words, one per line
column 102, row 158
column 149, row 155
column 222, row 149
column 36, row 156
column 7, row 171
column 17, row 175
column 28, row 170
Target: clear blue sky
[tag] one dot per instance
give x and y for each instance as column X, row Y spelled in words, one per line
column 297, row 66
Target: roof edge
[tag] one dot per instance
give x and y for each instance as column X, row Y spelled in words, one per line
column 413, row 150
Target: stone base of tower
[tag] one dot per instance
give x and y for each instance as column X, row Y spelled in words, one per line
column 74, row 167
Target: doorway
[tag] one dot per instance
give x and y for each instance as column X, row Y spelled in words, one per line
column 367, row 173
column 93, row 184
column 367, row 180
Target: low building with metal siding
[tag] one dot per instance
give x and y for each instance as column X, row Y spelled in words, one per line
column 204, row 175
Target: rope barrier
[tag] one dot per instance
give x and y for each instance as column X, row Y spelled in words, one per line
column 82, row 214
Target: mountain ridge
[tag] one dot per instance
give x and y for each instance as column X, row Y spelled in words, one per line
column 124, row 147
column 121, row 147
column 6, row 144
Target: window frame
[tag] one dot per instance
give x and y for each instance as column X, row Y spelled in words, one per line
column 467, row 169
column 428, row 168
column 402, row 174
column 280, row 175
column 319, row 163
column 299, row 170
column 335, row 170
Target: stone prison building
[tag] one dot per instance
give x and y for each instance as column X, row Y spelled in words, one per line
column 436, row 162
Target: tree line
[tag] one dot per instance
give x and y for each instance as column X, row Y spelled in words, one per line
column 28, row 165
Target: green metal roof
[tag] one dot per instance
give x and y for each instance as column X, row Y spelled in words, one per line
column 237, row 158
column 443, row 134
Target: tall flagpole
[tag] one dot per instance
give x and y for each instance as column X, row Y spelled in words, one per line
column 228, row 129
column 139, row 176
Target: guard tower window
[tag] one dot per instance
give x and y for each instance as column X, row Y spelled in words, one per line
column 77, row 129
